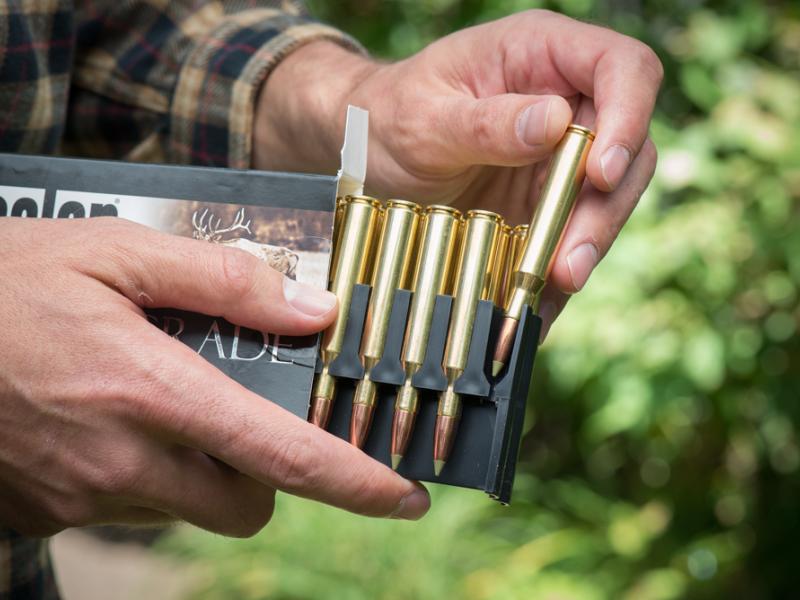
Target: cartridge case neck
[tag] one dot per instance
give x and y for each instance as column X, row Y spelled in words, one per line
column 324, row 385
column 449, row 403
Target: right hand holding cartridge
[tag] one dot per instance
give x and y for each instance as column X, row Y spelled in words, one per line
column 472, row 119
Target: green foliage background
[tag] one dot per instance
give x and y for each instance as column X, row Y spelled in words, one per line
column 661, row 455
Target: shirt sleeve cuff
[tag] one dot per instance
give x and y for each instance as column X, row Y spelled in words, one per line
column 213, row 105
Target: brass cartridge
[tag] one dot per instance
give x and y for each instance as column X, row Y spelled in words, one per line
column 565, row 176
column 337, row 234
column 497, row 270
column 392, row 270
column 472, row 283
column 519, row 233
column 434, row 263
column 350, row 267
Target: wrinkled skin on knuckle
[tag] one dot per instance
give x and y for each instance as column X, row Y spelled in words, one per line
column 73, row 510
column 119, row 477
column 237, row 277
column 365, row 495
column 294, row 464
column 483, row 125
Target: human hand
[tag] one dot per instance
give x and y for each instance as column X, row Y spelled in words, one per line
column 471, row 119
column 106, row 419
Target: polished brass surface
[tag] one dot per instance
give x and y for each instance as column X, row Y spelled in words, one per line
column 360, row 214
column 565, row 177
column 337, row 234
column 472, row 283
column 477, row 253
column 392, row 271
column 497, row 270
column 518, row 236
column 434, row 262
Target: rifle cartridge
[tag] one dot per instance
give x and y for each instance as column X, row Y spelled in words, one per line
column 518, row 235
column 360, row 214
column 337, row 234
column 497, row 270
column 392, row 267
column 565, row 176
column 434, row 263
column 472, row 283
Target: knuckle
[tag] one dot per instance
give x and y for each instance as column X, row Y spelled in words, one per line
column 295, row 465
column 649, row 61
column 73, row 511
column 238, row 274
column 369, row 497
column 115, row 480
column 483, row 124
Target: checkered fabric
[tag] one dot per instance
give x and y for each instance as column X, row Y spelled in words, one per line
column 155, row 80
column 151, row 81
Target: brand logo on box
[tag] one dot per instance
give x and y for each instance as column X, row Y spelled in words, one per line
column 30, row 202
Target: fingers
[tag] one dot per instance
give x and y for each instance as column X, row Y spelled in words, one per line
column 552, row 303
column 596, row 221
column 203, row 409
column 620, row 73
column 504, row 130
column 193, row 487
column 158, row 270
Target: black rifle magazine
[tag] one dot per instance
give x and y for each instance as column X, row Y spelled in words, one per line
column 485, row 451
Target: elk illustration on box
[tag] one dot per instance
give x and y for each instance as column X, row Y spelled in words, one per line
column 206, row 228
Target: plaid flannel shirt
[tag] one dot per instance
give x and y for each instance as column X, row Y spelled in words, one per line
column 150, row 81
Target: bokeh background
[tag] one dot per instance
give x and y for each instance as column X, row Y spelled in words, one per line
column 661, row 452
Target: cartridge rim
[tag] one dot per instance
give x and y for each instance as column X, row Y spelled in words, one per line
column 521, row 229
column 363, row 200
column 484, row 214
column 397, row 203
column 441, row 208
column 581, row 131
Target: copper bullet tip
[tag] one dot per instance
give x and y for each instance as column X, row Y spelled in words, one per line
column 505, row 341
column 360, row 422
column 445, row 433
column 321, row 411
column 402, row 426
column 438, row 465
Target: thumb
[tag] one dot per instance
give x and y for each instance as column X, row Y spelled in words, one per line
column 506, row 130
column 155, row 270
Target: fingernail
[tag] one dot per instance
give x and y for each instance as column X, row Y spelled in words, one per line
column 308, row 300
column 413, row 506
column 614, row 163
column 581, row 262
column 532, row 123
column 547, row 312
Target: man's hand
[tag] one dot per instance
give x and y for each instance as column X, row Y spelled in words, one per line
column 471, row 119
column 104, row 418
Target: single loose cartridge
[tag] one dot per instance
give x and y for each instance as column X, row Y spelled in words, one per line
column 565, row 176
